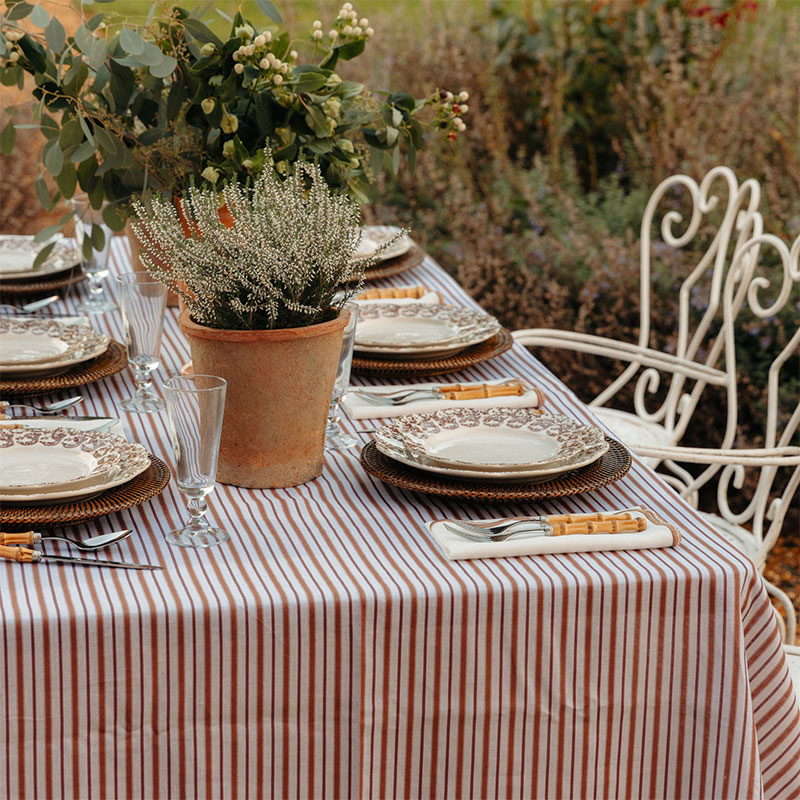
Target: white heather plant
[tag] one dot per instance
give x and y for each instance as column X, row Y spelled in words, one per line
column 282, row 264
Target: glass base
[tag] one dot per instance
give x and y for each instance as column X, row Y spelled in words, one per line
column 138, row 405
column 337, row 439
column 191, row 537
column 96, row 307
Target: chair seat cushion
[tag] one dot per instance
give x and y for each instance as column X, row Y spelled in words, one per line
column 633, row 431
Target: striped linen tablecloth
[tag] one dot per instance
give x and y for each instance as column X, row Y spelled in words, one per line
column 329, row 650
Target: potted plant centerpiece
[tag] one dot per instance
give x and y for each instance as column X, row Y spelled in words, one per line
column 264, row 308
column 128, row 108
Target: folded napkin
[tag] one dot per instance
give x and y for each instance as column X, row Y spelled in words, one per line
column 360, row 408
column 657, row 534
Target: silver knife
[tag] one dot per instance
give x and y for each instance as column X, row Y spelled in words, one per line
column 26, row 554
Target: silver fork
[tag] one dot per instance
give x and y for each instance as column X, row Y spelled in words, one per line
column 499, row 537
column 47, row 408
column 533, row 522
column 402, row 397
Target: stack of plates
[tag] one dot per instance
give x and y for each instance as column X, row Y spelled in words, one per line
column 33, row 347
column 18, row 253
column 44, row 465
column 372, row 237
column 420, row 330
column 505, row 445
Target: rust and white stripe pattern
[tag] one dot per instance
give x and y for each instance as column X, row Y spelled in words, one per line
column 328, row 650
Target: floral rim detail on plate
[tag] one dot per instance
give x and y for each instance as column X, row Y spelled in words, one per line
column 64, row 256
column 70, row 344
column 421, row 328
column 112, row 455
column 373, row 236
column 495, row 439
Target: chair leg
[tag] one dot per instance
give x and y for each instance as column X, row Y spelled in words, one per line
column 786, row 602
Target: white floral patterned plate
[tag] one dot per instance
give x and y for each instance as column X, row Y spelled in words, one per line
column 39, row 464
column 498, row 440
column 421, row 329
column 373, row 236
column 18, row 253
column 40, row 346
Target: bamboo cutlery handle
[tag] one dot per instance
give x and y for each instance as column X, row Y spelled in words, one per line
column 484, row 390
column 414, row 292
column 26, row 537
column 18, row 553
column 608, row 526
column 556, row 518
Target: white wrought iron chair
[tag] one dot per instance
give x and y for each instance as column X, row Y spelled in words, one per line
column 793, row 658
column 766, row 510
column 694, row 365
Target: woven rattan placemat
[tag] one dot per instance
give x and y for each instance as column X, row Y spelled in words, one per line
column 150, row 483
column 43, row 286
column 420, row 368
column 113, row 360
column 607, row 469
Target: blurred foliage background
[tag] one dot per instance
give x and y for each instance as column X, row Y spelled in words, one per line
column 577, row 111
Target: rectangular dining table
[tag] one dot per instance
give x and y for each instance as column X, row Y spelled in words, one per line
column 329, row 650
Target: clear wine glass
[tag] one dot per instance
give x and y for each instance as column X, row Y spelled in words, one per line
column 143, row 301
column 95, row 265
column 195, row 406
column 335, row 437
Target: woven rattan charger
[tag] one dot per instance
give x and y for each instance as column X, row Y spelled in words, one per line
column 442, row 365
column 112, row 361
column 607, row 469
column 42, row 286
column 143, row 487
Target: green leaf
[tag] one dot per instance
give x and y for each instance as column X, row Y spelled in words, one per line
column 98, row 55
column 46, row 233
column 114, row 217
column 95, row 21
column 269, row 10
column 317, row 122
column 67, row 179
column 7, row 138
column 40, row 17
column 175, row 99
column 82, row 152
column 391, row 135
column 150, row 55
column 43, row 254
column 164, row 68
column 201, row 32
column 53, row 157
column 98, row 237
column 131, row 42
column 310, row 81
column 86, row 248
column 19, row 11
column 71, row 134
column 397, row 117
column 55, row 35
column 84, row 39
column 49, row 126
column 121, row 83
column 87, row 132
column 350, row 50
column 396, row 159
column 101, row 79
column 41, row 192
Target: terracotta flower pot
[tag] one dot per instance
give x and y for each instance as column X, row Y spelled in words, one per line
column 279, row 388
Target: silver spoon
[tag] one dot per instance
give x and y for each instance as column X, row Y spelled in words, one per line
column 93, row 543
column 47, row 408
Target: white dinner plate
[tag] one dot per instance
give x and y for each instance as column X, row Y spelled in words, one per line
column 496, row 439
column 421, row 329
column 373, row 236
column 394, row 449
column 18, row 253
column 41, row 464
column 42, row 346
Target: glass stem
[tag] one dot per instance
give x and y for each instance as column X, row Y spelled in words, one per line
column 144, row 382
column 333, row 416
column 197, row 507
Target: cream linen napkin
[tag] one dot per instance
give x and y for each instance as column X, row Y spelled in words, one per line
column 359, row 408
column 658, row 534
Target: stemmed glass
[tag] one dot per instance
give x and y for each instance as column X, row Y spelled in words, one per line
column 95, row 265
column 195, row 405
column 143, row 301
column 335, row 437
